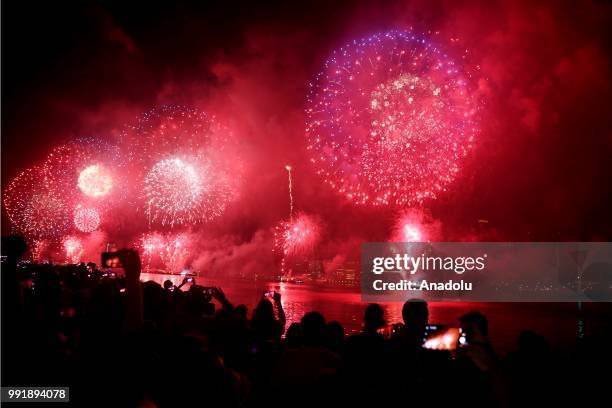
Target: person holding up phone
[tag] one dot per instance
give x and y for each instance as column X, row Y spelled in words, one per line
column 264, row 323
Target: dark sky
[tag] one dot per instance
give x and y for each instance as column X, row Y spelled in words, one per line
column 541, row 169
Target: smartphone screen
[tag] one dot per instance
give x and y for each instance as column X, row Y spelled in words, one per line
column 438, row 337
column 110, row 260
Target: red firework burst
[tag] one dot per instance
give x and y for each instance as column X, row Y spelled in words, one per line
column 169, row 251
column 297, row 237
column 389, row 119
column 35, row 208
column 86, row 219
column 186, row 163
column 73, row 248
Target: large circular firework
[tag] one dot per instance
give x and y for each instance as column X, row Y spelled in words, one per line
column 86, row 219
column 173, row 189
column 184, row 160
column 35, row 208
column 389, row 119
column 87, row 169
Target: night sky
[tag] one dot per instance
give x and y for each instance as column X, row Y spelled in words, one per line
column 540, row 170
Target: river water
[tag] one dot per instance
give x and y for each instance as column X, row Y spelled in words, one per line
column 559, row 323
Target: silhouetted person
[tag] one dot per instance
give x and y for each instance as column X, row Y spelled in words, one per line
column 294, row 337
column 300, row 367
column 335, row 337
column 367, row 353
column 373, row 319
column 477, row 363
column 241, row 311
column 265, row 325
column 415, row 315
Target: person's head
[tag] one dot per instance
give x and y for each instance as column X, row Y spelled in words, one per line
column 335, row 335
column 241, row 311
column 294, row 335
column 168, row 284
column 474, row 325
column 373, row 318
column 264, row 311
column 313, row 329
column 415, row 314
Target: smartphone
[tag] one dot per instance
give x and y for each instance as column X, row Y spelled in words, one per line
column 189, row 279
column 110, row 260
column 389, row 330
column 441, row 337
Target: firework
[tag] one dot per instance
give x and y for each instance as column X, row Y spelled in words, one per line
column 389, row 119
column 296, row 237
column 288, row 168
column 173, row 189
column 73, row 248
column 86, row 219
column 182, row 157
column 38, row 248
column 415, row 225
column 88, row 170
column 95, row 181
column 169, row 251
column 410, row 233
column 35, row 208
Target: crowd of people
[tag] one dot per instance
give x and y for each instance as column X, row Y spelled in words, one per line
column 117, row 341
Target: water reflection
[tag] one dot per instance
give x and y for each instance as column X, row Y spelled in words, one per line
column 555, row 321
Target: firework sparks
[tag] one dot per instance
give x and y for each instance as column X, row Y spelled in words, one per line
column 415, row 225
column 396, row 99
column 173, row 189
column 411, row 233
column 297, row 237
column 182, row 157
column 95, row 181
column 168, row 251
column 38, row 248
column 86, row 219
column 288, row 168
column 86, row 170
column 73, row 249
column 35, row 209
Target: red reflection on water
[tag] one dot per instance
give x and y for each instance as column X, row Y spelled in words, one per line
column 558, row 322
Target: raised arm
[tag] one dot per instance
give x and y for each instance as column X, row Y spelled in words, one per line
column 218, row 294
column 133, row 290
column 279, row 307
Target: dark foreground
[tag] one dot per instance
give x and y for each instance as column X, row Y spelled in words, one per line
column 121, row 342
column 560, row 323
